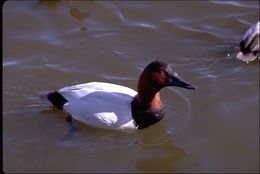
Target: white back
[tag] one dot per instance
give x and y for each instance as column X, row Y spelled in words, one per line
column 101, row 105
column 81, row 90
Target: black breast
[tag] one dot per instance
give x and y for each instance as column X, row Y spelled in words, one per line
column 145, row 116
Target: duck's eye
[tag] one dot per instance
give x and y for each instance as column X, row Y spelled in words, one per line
column 163, row 73
column 159, row 76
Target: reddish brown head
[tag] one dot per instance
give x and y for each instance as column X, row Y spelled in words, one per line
column 156, row 76
column 147, row 108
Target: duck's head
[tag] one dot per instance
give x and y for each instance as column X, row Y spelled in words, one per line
column 249, row 45
column 158, row 75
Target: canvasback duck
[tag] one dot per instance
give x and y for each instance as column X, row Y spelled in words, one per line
column 111, row 106
column 249, row 45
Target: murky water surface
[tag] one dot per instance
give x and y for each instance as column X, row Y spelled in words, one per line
column 48, row 45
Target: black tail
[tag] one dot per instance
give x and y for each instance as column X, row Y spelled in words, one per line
column 56, row 99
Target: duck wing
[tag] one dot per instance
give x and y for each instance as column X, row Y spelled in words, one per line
column 103, row 109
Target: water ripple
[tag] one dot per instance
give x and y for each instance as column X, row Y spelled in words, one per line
column 10, row 62
column 234, row 3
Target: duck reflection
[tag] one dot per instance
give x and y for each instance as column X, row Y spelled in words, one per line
column 159, row 142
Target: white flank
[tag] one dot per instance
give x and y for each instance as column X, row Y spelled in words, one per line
column 101, row 105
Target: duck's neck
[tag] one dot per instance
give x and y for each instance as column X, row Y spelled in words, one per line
column 147, row 108
column 148, row 93
column 149, row 99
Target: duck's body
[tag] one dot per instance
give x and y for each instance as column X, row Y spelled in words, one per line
column 99, row 104
column 249, row 45
column 111, row 106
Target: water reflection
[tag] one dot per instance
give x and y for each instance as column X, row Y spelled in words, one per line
column 73, row 128
column 160, row 154
column 78, row 14
column 54, row 4
column 74, row 11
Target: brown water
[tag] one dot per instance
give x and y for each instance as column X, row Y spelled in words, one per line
column 49, row 45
